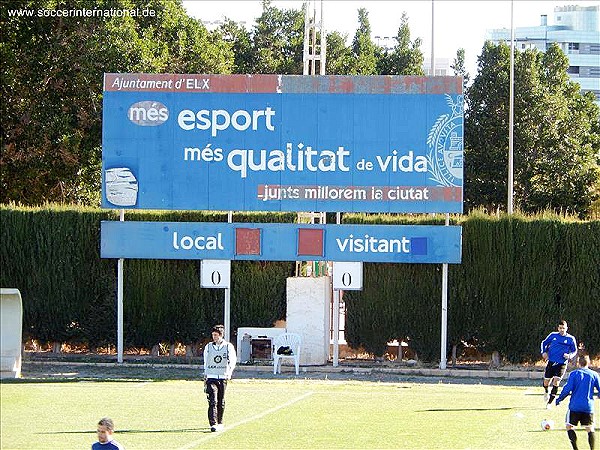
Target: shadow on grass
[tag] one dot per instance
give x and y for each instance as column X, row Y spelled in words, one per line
column 180, row 430
column 507, row 408
column 562, row 430
column 84, row 379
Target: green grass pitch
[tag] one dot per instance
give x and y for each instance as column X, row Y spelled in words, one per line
column 277, row 414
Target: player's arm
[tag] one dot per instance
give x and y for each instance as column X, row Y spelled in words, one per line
column 572, row 348
column 231, row 359
column 544, row 346
column 565, row 390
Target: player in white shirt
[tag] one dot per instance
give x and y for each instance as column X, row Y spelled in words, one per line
column 219, row 362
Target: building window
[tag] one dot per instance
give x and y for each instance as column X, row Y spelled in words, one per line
column 573, row 46
column 573, row 70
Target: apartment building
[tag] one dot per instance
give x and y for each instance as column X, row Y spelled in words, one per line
column 577, row 30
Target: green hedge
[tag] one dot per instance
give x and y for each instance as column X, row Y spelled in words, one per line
column 518, row 276
column 52, row 255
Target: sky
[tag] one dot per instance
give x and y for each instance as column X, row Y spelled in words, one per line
column 458, row 24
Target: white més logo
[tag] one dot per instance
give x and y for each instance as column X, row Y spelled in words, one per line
column 148, row 113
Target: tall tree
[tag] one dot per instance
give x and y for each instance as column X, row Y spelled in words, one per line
column 556, row 134
column 363, row 48
column 52, row 87
column 406, row 57
column 460, row 69
column 277, row 41
column 241, row 45
column 339, row 56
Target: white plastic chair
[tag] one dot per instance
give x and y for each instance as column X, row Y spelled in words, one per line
column 292, row 341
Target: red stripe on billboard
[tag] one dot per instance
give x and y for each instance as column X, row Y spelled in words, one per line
column 285, row 84
column 140, row 82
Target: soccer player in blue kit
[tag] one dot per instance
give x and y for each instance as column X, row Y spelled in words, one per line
column 105, row 431
column 581, row 385
column 558, row 348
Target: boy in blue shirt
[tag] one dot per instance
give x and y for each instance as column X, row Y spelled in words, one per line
column 580, row 386
column 105, row 431
column 558, row 348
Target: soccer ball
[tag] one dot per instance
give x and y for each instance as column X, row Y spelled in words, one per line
column 547, row 424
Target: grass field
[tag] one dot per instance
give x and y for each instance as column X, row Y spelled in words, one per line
column 274, row 414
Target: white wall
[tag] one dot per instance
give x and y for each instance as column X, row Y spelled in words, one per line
column 11, row 314
column 308, row 303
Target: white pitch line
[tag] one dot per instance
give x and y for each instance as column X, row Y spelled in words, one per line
column 245, row 421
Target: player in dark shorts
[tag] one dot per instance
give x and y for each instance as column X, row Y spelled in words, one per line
column 581, row 385
column 558, row 348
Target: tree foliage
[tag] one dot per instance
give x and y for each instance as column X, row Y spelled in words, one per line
column 339, row 55
column 52, row 97
column 363, row 48
column 406, row 57
column 459, row 68
column 277, row 41
column 240, row 40
column 556, row 134
column 52, row 87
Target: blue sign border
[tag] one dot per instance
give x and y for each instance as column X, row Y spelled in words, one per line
column 330, row 143
column 280, row 242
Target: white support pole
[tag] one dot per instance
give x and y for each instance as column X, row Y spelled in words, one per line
column 444, row 338
column 444, row 334
column 336, row 327
column 227, row 307
column 432, row 70
column 313, row 43
column 227, row 314
column 120, row 301
column 306, row 49
column 511, row 113
column 336, row 314
column 323, row 42
column 444, row 328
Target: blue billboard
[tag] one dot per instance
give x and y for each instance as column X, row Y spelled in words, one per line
column 281, row 242
column 283, row 143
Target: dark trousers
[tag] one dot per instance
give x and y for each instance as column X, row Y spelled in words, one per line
column 215, row 393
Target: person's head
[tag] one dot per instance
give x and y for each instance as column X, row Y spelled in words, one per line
column 583, row 360
column 562, row 327
column 105, row 430
column 217, row 332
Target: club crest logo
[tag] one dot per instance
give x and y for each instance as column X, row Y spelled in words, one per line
column 445, row 141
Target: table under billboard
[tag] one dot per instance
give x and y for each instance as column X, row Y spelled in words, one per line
column 281, row 242
column 283, row 143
